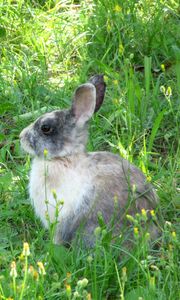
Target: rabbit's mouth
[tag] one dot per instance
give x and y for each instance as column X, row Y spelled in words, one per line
column 26, row 143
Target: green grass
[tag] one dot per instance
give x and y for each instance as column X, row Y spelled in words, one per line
column 47, row 48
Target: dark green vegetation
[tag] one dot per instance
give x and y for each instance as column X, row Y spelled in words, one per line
column 47, row 48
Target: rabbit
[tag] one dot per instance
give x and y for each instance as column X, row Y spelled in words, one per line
column 88, row 183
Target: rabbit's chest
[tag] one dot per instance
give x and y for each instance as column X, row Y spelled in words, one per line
column 53, row 184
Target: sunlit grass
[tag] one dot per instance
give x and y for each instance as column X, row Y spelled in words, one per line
column 47, row 48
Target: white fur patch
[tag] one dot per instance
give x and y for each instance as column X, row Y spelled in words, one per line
column 69, row 178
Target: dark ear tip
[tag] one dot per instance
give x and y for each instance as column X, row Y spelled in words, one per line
column 97, row 79
column 100, row 85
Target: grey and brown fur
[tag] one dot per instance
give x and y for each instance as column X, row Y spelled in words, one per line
column 88, row 183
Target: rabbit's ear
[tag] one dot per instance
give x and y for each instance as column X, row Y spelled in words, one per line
column 100, row 85
column 84, row 102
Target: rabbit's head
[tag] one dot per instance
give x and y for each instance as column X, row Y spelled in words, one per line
column 64, row 132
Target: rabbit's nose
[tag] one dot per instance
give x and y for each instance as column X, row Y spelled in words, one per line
column 21, row 134
column 24, row 131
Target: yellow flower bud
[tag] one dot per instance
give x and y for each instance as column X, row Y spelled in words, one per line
column 84, row 282
column 130, row 218
column 89, row 259
column 13, row 272
column 169, row 92
column 136, row 231
column 35, row 275
column 45, row 153
column 106, row 79
column 115, row 82
column 124, row 274
column 97, row 231
column 173, row 234
column 163, row 67
column 152, row 281
column 68, row 274
column 162, row 89
column 108, row 25
column 121, row 49
column 54, row 194
column 170, row 247
column 144, row 214
column 147, row 235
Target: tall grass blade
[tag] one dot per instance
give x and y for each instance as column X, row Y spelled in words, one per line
column 147, row 74
column 155, row 129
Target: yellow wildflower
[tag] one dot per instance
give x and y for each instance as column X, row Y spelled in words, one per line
column 152, row 212
column 33, row 272
column 45, row 153
column 117, row 8
column 21, row 256
column 82, row 283
column 26, row 251
column 35, row 275
column 41, row 268
column 68, row 290
column 31, row 269
column 149, row 178
column 13, row 272
column 143, row 212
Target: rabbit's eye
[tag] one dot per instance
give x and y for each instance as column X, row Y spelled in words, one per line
column 46, row 129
